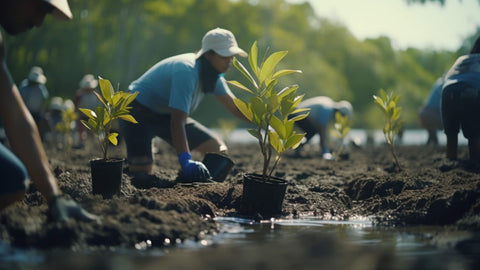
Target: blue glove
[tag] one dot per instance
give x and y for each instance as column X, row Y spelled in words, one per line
column 193, row 170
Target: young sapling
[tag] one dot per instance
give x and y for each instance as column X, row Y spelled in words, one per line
column 115, row 106
column 268, row 109
column 388, row 104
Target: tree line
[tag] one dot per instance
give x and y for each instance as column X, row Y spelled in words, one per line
column 121, row 39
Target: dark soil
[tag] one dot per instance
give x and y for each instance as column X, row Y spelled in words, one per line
column 429, row 190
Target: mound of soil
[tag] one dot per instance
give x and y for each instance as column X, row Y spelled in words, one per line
column 158, row 211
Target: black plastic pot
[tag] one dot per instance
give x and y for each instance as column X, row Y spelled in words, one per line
column 106, row 177
column 218, row 165
column 263, row 197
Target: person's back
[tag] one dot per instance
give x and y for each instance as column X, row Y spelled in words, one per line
column 322, row 112
column 322, row 109
column 34, row 93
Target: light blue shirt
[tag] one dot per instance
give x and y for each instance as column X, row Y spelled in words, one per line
column 435, row 96
column 174, row 83
column 466, row 69
column 322, row 109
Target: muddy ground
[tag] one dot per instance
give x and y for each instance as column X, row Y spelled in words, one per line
column 430, row 190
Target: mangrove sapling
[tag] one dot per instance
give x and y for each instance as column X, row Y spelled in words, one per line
column 65, row 127
column 388, row 103
column 268, row 109
column 341, row 128
column 115, row 106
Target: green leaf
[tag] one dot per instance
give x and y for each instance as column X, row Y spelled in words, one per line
column 294, row 141
column 112, row 137
column 240, row 86
column 278, row 126
column 89, row 113
column 266, row 70
column 87, row 125
column 299, row 117
column 243, row 108
column 275, row 142
column 255, row 134
column 106, row 88
column 128, row 118
column 253, row 58
column 258, row 107
column 284, row 72
column 287, row 90
column 245, row 72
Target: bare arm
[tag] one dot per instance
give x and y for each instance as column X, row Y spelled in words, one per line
column 23, row 133
column 177, row 127
column 227, row 101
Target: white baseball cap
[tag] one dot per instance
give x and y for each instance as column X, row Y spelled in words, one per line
column 36, row 75
column 88, row 81
column 62, row 9
column 222, row 42
column 345, row 108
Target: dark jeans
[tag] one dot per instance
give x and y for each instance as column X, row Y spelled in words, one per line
column 461, row 110
column 14, row 176
column 138, row 137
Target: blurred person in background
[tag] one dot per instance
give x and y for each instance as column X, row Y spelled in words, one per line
column 169, row 92
column 85, row 98
column 322, row 114
column 35, row 94
column 430, row 116
column 461, row 103
column 26, row 158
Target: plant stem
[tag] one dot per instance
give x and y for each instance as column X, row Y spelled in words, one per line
column 395, row 157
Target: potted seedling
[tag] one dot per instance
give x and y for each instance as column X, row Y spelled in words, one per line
column 388, row 104
column 268, row 110
column 66, row 126
column 107, row 172
column 341, row 128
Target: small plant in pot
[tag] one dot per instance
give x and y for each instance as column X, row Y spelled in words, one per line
column 107, row 172
column 269, row 111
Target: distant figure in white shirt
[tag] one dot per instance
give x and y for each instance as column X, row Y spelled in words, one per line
column 322, row 113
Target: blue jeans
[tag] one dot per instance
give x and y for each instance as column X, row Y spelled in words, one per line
column 14, row 176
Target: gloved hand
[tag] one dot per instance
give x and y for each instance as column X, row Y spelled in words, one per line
column 193, row 170
column 63, row 209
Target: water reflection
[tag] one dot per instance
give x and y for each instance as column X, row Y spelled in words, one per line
column 436, row 245
column 304, row 243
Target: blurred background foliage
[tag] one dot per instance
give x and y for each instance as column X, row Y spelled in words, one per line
column 120, row 39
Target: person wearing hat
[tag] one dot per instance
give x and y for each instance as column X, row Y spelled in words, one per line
column 35, row 94
column 26, row 159
column 322, row 113
column 85, row 98
column 461, row 103
column 169, row 92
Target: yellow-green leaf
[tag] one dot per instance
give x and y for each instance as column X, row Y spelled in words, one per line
column 243, row 108
column 112, row 137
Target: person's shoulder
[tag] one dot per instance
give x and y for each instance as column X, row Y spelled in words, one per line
column 188, row 59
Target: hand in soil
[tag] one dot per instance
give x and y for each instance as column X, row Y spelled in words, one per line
column 63, row 209
column 194, row 170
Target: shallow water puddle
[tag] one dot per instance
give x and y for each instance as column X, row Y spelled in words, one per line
column 412, row 246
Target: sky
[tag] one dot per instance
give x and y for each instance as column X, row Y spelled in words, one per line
column 427, row 26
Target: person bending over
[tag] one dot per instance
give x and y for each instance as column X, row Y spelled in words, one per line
column 27, row 159
column 169, row 92
column 461, row 103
